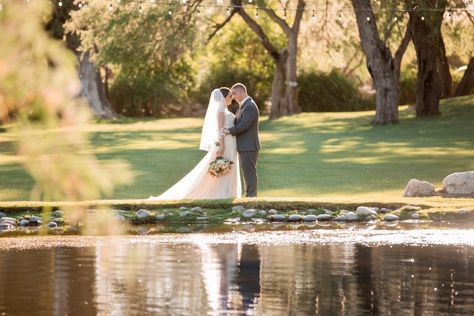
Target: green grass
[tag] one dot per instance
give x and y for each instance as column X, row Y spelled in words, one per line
column 327, row 156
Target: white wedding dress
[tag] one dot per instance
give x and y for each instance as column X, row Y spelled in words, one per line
column 198, row 183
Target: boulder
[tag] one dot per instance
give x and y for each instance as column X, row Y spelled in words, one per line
column 364, row 211
column 419, row 188
column 341, row 218
column 351, row 216
column 238, row 208
column 459, row 183
column 143, row 214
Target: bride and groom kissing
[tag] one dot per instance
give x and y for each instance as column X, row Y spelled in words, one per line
column 234, row 137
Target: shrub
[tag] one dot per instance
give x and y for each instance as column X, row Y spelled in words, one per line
column 319, row 92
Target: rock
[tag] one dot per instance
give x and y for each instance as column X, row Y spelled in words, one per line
column 249, row 213
column 344, row 212
column 272, row 211
column 376, row 209
column 160, row 217
column 196, row 209
column 410, row 208
column 35, row 220
column 24, row 222
column 312, row 210
column 238, row 208
column 143, row 214
column 415, row 216
column 58, row 213
column 341, row 218
column 459, row 183
column 390, row 218
column 184, row 230
column 6, row 226
column 259, row 220
column 7, row 219
column 183, row 208
column 185, row 213
column 385, row 210
column 262, row 212
column 2, row 214
column 279, row 217
column 363, row 211
column 119, row 217
column 464, row 211
column 419, row 188
column 52, row 225
column 324, row 217
column 328, row 212
column 310, row 218
column 202, row 218
column 234, row 220
column 295, row 218
column 351, row 216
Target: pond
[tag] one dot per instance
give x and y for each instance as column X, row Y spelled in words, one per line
column 326, row 272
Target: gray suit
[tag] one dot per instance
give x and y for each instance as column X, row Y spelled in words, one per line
column 248, row 143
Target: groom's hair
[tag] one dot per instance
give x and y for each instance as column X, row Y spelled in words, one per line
column 240, row 86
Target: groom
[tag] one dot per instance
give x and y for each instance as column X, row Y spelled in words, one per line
column 246, row 131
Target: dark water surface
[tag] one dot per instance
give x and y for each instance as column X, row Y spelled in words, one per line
column 420, row 272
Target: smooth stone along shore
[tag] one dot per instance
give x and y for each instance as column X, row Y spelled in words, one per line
column 143, row 214
column 351, row 216
column 279, row 217
column 419, row 188
column 295, row 218
column 238, row 208
column 390, row 218
column 341, row 218
column 324, row 217
column 58, row 213
column 249, row 213
column 272, row 211
column 310, row 218
column 24, row 222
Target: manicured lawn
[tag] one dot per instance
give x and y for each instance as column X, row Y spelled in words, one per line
column 330, row 156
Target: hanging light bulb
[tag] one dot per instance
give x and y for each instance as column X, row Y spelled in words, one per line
column 395, row 19
column 184, row 1
column 313, row 16
column 140, row 8
column 368, row 19
column 60, row 3
column 422, row 17
column 284, row 15
column 110, row 7
column 79, row 4
column 199, row 10
column 219, row 1
column 152, row 1
column 256, row 13
column 169, row 11
column 250, row 1
column 228, row 10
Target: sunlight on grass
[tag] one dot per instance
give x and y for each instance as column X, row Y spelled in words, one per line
column 311, row 155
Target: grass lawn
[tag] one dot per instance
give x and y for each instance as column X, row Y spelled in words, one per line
column 321, row 156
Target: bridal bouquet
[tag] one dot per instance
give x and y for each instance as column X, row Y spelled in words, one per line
column 220, row 166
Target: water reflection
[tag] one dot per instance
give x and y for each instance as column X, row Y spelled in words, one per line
column 203, row 278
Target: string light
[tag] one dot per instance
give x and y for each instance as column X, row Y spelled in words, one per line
column 80, row 5
column 422, row 18
column 284, row 15
column 339, row 16
column 368, row 19
column 228, row 10
column 256, row 13
column 313, row 16
column 198, row 10
column 60, row 3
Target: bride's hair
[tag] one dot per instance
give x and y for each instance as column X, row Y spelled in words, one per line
column 225, row 91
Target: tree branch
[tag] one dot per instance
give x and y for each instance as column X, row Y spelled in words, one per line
column 403, row 47
column 272, row 50
column 298, row 16
column 275, row 18
column 219, row 26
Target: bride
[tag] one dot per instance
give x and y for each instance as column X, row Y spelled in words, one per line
column 198, row 183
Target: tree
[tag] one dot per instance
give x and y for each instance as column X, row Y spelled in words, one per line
column 433, row 77
column 92, row 87
column 284, row 97
column 466, row 85
column 136, row 40
column 383, row 67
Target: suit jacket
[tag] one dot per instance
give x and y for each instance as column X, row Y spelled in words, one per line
column 246, row 127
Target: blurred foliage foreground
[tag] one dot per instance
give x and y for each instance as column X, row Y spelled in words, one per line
column 38, row 89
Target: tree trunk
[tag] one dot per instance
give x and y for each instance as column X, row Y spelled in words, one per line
column 292, row 75
column 93, row 89
column 279, row 92
column 466, row 85
column 433, row 79
column 379, row 63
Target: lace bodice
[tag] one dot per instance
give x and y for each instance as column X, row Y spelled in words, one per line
column 229, row 119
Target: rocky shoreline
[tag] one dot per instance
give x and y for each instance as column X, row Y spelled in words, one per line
column 57, row 222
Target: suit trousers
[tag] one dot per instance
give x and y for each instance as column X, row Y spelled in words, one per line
column 248, row 163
